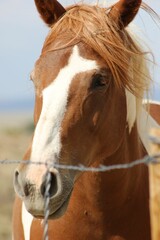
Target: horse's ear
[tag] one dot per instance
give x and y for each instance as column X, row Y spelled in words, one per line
column 124, row 11
column 50, row 10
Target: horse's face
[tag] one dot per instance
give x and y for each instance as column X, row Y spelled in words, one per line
column 80, row 117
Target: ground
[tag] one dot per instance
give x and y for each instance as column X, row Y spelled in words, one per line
column 15, row 134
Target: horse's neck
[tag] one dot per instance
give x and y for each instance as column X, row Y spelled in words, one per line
column 123, row 181
column 130, row 186
column 118, row 196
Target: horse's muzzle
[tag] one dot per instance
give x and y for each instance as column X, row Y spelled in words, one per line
column 35, row 189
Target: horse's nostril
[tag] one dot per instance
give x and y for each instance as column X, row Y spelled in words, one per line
column 17, row 184
column 16, row 176
column 22, row 188
column 52, row 187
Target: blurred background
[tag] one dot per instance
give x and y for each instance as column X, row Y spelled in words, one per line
column 22, row 34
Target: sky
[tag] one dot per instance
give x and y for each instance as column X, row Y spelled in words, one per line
column 22, row 33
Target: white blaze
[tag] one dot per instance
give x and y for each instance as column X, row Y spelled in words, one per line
column 46, row 142
column 27, row 219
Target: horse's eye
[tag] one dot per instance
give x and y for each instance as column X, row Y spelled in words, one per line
column 98, row 81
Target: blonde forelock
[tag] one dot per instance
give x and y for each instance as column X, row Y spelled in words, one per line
column 93, row 26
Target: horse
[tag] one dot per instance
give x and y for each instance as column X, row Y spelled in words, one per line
column 89, row 83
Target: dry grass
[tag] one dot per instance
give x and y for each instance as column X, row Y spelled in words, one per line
column 15, row 134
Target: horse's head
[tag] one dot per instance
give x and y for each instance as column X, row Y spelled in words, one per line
column 80, row 109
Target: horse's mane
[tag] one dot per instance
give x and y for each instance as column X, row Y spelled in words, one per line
column 121, row 51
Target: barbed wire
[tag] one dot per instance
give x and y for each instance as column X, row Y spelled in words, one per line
column 154, row 159
column 46, row 205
